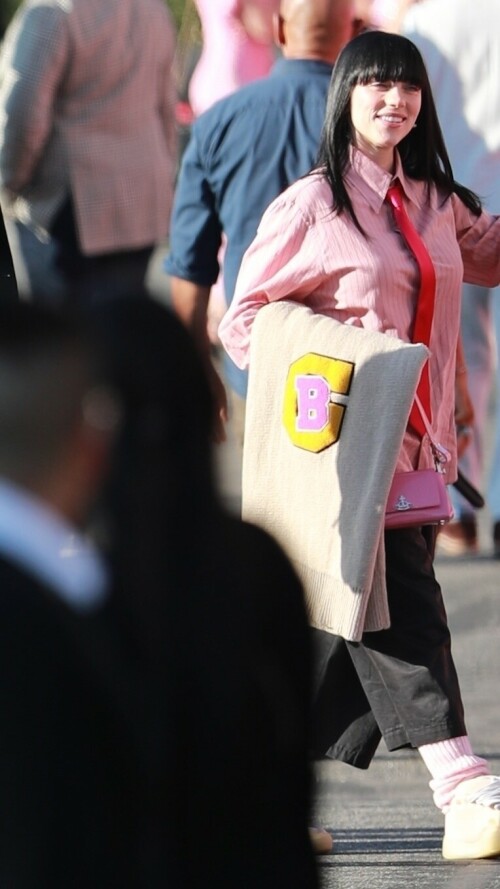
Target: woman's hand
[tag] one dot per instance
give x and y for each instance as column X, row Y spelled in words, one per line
column 464, row 411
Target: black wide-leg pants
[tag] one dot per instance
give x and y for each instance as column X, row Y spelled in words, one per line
column 399, row 684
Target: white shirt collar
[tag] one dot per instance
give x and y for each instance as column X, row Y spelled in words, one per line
column 45, row 545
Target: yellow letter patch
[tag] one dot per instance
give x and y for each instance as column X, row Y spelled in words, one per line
column 312, row 415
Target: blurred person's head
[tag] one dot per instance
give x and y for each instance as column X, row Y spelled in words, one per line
column 159, row 499
column 314, row 29
column 54, row 423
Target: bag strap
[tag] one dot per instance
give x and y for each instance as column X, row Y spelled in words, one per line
column 441, row 454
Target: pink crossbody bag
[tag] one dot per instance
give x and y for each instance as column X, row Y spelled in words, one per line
column 420, row 497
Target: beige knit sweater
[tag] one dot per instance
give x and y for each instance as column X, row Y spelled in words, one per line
column 327, row 508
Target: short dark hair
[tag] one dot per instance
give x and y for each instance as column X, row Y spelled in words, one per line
column 377, row 55
column 45, row 372
column 159, row 501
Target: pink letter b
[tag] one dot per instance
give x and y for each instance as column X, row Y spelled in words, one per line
column 313, row 398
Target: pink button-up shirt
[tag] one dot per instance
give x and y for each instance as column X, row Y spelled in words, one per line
column 230, row 56
column 303, row 251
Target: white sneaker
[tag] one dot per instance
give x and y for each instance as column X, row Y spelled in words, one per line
column 472, row 823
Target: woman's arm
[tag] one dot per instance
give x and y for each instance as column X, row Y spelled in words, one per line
column 464, row 411
column 283, row 262
column 479, row 242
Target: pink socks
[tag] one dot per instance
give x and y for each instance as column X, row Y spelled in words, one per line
column 450, row 762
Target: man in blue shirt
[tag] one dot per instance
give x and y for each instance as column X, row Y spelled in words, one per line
column 243, row 152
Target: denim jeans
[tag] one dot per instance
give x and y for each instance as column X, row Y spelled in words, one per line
column 35, row 266
column 56, row 271
column 99, row 277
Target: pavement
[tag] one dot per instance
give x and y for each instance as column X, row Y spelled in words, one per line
column 387, row 832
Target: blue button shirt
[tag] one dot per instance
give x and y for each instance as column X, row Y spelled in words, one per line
column 243, row 152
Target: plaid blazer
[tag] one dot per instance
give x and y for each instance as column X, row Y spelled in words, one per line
column 87, row 102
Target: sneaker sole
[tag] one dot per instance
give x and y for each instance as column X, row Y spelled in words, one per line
column 472, row 831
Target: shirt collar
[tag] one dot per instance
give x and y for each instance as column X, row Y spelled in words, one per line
column 284, row 67
column 42, row 543
column 372, row 181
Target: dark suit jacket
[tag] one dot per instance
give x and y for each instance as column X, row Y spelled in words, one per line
column 70, row 790
column 235, row 716
column 172, row 756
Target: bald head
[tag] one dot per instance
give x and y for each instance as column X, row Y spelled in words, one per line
column 314, row 29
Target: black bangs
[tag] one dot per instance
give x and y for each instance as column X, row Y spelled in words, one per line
column 380, row 56
column 384, row 57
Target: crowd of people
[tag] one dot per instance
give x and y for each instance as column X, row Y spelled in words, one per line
column 163, row 659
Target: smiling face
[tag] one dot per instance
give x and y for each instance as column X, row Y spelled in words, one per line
column 382, row 114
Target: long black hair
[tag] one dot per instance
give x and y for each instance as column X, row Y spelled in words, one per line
column 380, row 56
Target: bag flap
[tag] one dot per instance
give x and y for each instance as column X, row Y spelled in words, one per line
column 415, row 490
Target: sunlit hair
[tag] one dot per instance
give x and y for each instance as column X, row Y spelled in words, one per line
column 380, row 56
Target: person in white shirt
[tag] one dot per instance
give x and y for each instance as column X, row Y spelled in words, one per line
column 460, row 43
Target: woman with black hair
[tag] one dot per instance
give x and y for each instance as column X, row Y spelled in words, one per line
column 331, row 242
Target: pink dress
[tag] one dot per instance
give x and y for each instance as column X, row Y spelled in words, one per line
column 230, row 57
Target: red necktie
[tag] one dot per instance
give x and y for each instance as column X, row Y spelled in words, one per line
column 425, row 303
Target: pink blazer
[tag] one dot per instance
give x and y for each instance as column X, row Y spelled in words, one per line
column 87, row 100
